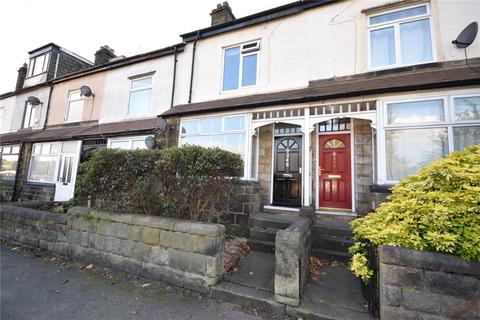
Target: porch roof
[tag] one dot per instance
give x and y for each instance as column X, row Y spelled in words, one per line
column 427, row 76
column 81, row 131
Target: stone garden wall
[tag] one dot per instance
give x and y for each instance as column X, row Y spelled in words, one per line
column 292, row 252
column 427, row 285
column 183, row 253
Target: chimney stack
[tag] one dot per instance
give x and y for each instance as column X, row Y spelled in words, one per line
column 103, row 55
column 22, row 74
column 221, row 14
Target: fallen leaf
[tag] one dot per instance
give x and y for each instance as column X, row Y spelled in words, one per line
column 251, row 273
column 89, row 267
column 145, row 285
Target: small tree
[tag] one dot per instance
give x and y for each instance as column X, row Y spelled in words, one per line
column 437, row 209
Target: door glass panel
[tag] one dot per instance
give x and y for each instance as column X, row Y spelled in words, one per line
column 334, row 144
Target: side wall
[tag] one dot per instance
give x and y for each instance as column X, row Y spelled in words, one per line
column 427, row 285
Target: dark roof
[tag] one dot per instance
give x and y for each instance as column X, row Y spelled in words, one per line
column 428, row 76
column 260, row 17
column 106, row 66
column 51, row 44
column 81, row 131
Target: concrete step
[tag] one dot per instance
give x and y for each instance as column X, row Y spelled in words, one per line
column 261, row 245
column 263, row 233
column 331, row 254
column 332, row 227
column 244, row 295
column 270, row 220
column 332, row 243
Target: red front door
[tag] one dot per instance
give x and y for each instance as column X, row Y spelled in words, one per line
column 335, row 171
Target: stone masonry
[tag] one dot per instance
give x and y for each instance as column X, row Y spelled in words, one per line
column 183, row 253
column 265, row 163
column 363, row 160
column 427, row 285
column 292, row 252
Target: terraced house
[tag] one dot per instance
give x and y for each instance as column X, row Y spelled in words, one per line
column 329, row 103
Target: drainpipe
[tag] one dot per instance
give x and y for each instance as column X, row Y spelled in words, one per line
column 13, row 198
column 193, row 65
column 174, row 74
column 48, row 104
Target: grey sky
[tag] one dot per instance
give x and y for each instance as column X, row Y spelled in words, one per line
column 129, row 27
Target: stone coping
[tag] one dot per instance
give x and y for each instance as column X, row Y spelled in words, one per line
column 429, row 260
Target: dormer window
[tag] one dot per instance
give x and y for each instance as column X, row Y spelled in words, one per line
column 400, row 37
column 38, row 64
column 240, row 66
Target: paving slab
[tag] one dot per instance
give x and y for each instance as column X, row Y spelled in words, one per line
column 335, row 295
column 255, row 270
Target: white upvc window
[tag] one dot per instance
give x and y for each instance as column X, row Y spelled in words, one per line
column 74, row 112
column 8, row 161
column 240, row 66
column 43, row 162
column 400, row 37
column 225, row 132
column 128, row 143
column 417, row 132
column 140, row 96
column 32, row 115
column 38, row 65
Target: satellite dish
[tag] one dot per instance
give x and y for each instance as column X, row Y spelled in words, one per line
column 467, row 36
column 161, row 125
column 34, row 101
column 150, row 142
column 86, row 91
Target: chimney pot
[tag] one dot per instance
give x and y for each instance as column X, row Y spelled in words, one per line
column 22, row 74
column 222, row 14
column 104, row 55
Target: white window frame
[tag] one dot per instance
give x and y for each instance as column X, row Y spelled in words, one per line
column 245, row 130
column 56, row 156
column 131, row 90
column 396, row 26
column 29, row 108
column 70, row 100
column 10, row 153
column 449, row 123
column 33, row 61
column 129, row 139
column 248, row 52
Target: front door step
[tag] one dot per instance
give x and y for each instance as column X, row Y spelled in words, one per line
column 255, row 270
column 331, row 237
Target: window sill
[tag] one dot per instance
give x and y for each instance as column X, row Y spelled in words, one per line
column 40, row 184
column 381, row 188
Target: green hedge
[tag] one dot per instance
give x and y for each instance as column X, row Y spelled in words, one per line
column 188, row 182
column 437, row 209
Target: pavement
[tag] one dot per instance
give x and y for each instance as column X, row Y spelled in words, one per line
column 255, row 270
column 39, row 286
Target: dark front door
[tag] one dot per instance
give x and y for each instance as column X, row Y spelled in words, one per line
column 287, row 177
column 335, row 171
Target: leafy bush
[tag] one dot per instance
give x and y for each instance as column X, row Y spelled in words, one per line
column 437, row 209
column 188, row 182
column 109, row 177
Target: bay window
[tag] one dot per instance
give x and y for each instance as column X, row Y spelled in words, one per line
column 225, row 132
column 240, row 65
column 43, row 162
column 8, row 161
column 421, row 131
column 401, row 37
column 128, row 143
